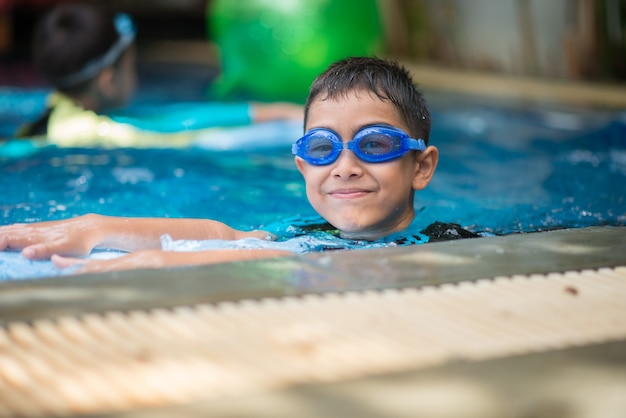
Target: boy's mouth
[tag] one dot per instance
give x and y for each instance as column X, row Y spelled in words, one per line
column 348, row 193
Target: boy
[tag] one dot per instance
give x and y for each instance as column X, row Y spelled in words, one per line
column 88, row 55
column 364, row 154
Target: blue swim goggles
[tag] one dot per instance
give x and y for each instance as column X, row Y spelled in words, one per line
column 372, row 144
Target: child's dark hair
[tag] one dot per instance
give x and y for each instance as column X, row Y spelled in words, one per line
column 386, row 79
column 69, row 37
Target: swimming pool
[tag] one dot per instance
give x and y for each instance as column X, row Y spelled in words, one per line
column 502, row 170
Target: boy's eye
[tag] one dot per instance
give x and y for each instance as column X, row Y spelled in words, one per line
column 376, row 144
column 319, row 147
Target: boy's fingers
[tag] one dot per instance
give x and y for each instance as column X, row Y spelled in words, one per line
column 43, row 251
column 82, row 265
column 20, row 241
column 13, row 242
column 38, row 252
column 64, row 262
column 30, row 253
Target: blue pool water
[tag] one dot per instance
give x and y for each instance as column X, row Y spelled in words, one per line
column 502, row 170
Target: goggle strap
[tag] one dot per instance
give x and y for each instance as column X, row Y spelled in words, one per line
column 417, row 144
column 126, row 32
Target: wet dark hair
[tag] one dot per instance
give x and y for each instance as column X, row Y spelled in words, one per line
column 69, row 37
column 386, row 79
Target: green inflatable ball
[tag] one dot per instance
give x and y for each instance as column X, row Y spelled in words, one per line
column 273, row 49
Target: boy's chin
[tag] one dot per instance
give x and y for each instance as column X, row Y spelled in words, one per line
column 346, row 228
column 353, row 231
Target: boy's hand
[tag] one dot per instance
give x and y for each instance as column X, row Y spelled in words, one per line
column 71, row 237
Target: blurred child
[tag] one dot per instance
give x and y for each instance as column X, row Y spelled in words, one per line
column 88, row 55
column 364, row 154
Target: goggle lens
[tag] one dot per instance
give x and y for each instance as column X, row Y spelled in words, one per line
column 319, row 147
column 376, row 144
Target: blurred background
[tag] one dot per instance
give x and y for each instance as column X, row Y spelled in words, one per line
column 271, row 49
column 529, row 99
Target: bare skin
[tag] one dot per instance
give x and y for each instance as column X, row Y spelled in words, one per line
column 159, row 259
column 78, row 236
column 263, row 112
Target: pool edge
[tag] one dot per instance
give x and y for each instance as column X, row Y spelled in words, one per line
column 346, row 271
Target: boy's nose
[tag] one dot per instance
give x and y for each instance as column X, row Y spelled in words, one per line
column 347, row 165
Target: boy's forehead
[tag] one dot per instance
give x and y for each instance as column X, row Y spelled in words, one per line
column 345, row 96
column 358, row 108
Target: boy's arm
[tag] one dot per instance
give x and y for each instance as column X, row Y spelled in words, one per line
column 79, row 236
column 264, row 112
column 158, row 259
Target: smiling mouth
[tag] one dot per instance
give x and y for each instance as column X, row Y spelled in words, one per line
column 349, row 193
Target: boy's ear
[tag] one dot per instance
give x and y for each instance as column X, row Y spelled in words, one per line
column 425, row 166
column 301, row 164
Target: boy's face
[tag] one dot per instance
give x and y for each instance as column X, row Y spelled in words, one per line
column 363, row 200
